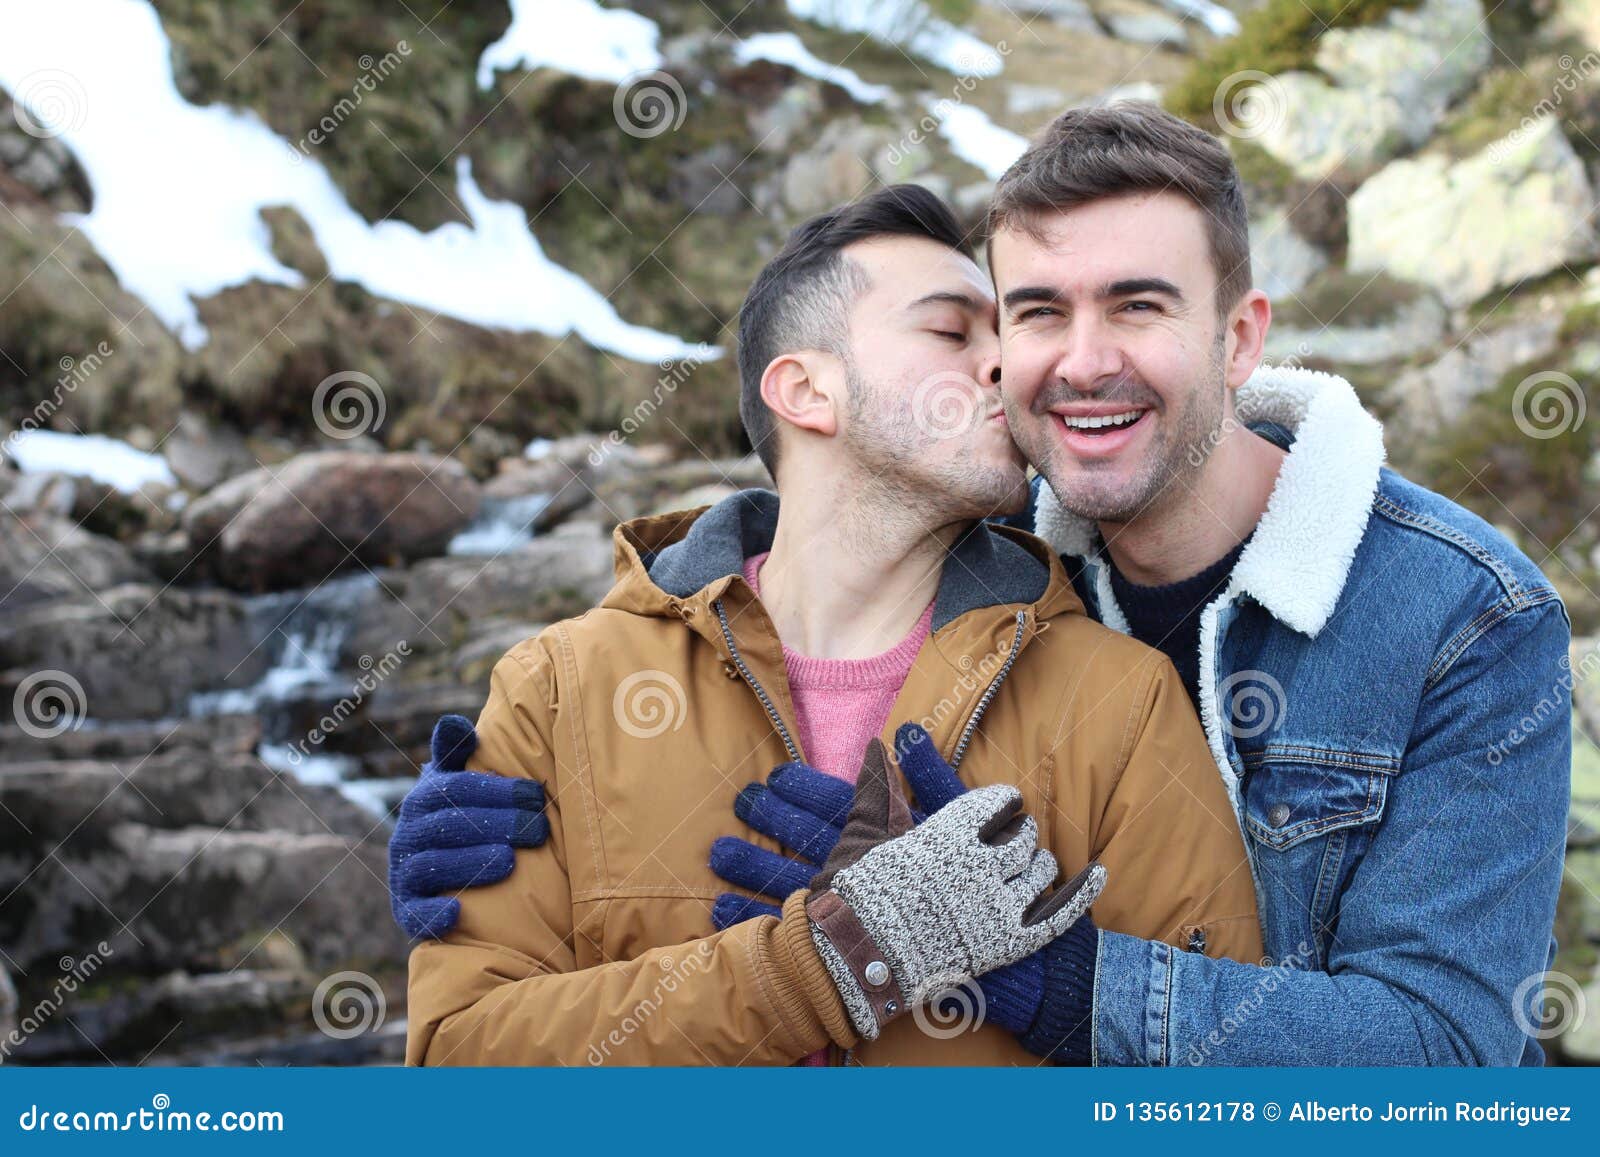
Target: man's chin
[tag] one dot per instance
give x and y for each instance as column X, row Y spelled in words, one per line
column 1097, row 502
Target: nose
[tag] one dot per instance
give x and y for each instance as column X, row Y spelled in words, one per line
column 1089, row 358
column 989, row 368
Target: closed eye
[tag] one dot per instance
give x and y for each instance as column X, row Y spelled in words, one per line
column 951, row 334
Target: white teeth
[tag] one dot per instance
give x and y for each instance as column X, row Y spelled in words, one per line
column 1108, row 420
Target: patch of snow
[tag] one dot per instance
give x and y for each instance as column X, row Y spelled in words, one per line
column 574, row 36
column 787, row 48
column 908, row 25
column 1214, row 18
column 976, row 139
column 179, row 189
column 106, row 460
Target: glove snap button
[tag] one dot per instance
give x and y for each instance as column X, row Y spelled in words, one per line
column 877, row 974
column 1279, row 815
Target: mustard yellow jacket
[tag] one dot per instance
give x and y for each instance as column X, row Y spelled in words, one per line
column 646, row 716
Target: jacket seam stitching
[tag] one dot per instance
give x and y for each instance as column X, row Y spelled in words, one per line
column 583, row 767
column 1425, row 524
column 1462, row 641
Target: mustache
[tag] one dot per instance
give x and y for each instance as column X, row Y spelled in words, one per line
column 1129, row 390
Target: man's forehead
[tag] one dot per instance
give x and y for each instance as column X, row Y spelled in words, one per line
column 905, row 270
column 1134, row 233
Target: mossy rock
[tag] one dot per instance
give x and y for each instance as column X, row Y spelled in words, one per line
column 1280, row 36
column 390, row 157
column 1490, row 464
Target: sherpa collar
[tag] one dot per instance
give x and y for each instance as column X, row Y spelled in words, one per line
column 984, row 568
column 1296, row 563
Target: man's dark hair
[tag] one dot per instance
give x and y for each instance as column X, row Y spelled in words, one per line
column 1086, row 154
column 802, row 298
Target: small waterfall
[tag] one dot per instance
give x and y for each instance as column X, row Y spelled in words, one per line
column 502, row 524
column 306, row 630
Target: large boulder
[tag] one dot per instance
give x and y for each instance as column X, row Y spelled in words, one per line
column 1518, row 209
column 1424, row 400
column 45, row 556
column 1379, row 89
column 324, row 512
column 130, row 652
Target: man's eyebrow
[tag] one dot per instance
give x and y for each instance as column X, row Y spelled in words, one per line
column 949, row 297
column 1131, row 285
column 1024, row 293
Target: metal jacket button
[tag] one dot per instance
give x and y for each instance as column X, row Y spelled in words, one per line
column 1279, row 815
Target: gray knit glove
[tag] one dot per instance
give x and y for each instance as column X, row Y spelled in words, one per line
column 901, row 914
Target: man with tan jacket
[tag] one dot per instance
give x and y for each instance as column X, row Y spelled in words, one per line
column 870, row 370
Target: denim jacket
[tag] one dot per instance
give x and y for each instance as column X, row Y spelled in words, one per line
column 1386, row 691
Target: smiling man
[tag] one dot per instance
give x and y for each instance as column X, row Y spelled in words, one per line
column 1381, row 675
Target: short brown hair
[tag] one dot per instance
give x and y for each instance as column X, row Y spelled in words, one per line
column 1127, row 147
column 801, row 299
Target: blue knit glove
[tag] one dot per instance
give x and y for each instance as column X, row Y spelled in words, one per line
column 457, row 829
column 804, row 810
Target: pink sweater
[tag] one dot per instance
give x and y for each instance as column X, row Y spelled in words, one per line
column 840, row 704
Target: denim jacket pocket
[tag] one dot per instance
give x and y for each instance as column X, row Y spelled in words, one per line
column 1289, row 801
column 1310, row 822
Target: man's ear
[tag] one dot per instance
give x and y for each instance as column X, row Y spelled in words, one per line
column 797, row 388
column 1247, row 336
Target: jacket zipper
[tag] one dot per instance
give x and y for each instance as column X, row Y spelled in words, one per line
column 849, row 1057
column 755, row 684
column 989, row 693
